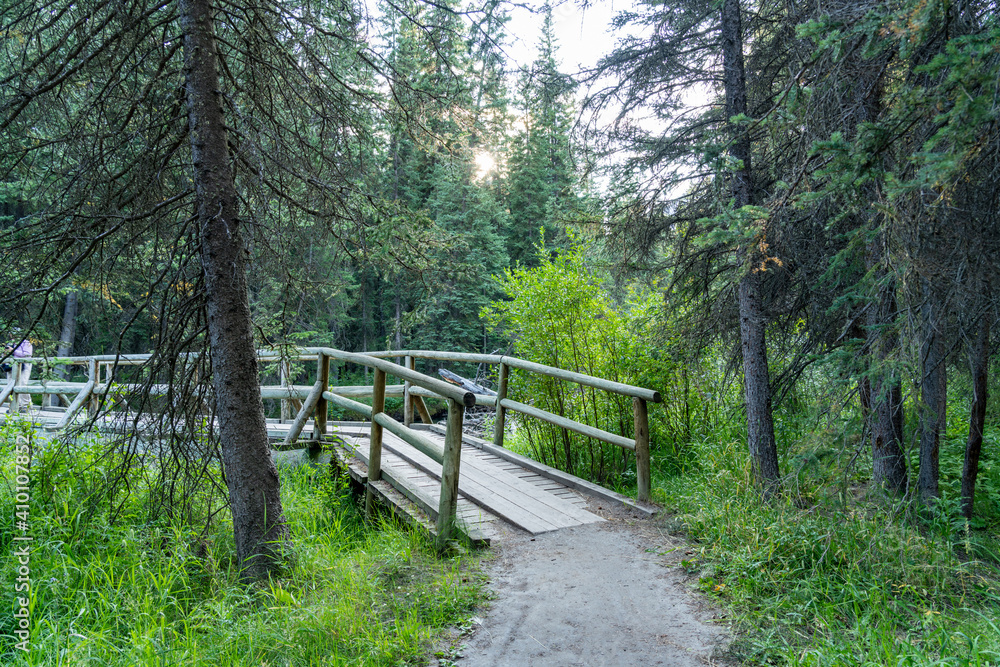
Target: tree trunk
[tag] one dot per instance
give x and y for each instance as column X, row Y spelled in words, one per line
column 760, row 425
column 757, row 389
column 66, row 337
column 254, row 491
column 979, row 361
column 888, row 461
column 398, row 326
column 933, row 391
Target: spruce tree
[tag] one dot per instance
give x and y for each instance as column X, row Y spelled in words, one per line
column 541, row 174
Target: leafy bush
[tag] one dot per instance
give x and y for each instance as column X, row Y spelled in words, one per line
column 827, row 575
column 560, row 314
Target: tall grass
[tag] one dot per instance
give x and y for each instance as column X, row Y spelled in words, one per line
column 131, row 590
column 829, row 574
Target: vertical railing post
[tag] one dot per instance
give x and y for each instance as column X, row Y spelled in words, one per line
column 46, row 397
column 93, row 374
column 15, row 373
column 407, row 399
column 501, row 418
column 283, row 372
column 447, row 508
column 322, row 405
column 375, row 441
column 641, row 428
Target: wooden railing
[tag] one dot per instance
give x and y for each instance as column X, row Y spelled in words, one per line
column 639, row 444
column 316, row 398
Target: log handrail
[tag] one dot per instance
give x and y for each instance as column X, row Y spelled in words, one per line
column 523, row 364
column 416, row 384
column 640, row 397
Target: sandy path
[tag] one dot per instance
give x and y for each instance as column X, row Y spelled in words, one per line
column 602, row 594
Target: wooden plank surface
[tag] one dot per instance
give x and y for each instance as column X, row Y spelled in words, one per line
column 531, row 477
column 497, row 503
column 508, row 496
column 419, row 488
column 573, row 482
column 503, row 493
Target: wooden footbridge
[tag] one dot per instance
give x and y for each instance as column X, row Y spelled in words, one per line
column 433, row 475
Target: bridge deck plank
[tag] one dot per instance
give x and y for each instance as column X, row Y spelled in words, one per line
column 504, row 494
column 472, row 485
column 472, row 519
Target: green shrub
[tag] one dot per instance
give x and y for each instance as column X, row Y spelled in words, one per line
column 562, row 315
column 828, row 575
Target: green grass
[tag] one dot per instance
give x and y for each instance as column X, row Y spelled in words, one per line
column 829, row 574
column 151, row 592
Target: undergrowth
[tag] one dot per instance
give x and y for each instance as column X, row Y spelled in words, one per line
column 832, row 574
column 131, row 590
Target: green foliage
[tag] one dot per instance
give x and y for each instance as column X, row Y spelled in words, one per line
column 832, row 587
column 540, row 171
column 560, row 314
column 827, row 574
column 123, row 590
column 447, row 104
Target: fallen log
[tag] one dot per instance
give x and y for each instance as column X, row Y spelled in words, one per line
column 467, row 385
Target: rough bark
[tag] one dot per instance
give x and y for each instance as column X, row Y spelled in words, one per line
column 757, row 389
column 760, row 424
column 933, row 392
column 66, row 336
column 398, row 325
column 254, row 491
column 979, row 361
column 888, row 460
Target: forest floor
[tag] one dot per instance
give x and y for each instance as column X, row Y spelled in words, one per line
column 612, row 593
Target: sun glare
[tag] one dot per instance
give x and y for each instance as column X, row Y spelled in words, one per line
column 485, row 164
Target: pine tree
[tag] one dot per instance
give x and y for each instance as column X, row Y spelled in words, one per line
column 541, row 173
column 450, row 103
column 721, row 237
column 179, row 140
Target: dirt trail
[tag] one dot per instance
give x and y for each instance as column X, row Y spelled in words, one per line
column 607, row 594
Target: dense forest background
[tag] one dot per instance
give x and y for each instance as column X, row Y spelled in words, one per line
column 401, row 244
column 780, row 215
column 788, row 194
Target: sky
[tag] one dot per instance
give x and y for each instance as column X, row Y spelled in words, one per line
column 583, row 35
